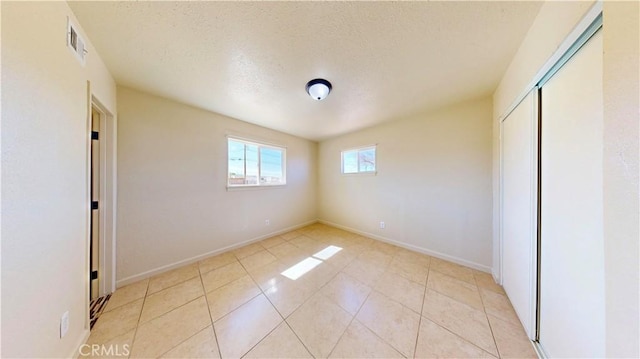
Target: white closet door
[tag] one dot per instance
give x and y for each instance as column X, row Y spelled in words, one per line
column 572, row 322
column 519, row 204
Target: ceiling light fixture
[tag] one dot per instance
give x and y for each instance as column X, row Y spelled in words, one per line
column 318, row 89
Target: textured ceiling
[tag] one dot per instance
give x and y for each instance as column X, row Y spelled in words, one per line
column 251, row 60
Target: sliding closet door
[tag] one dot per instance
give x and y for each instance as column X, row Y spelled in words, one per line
column 519, row 202
column 572, row 248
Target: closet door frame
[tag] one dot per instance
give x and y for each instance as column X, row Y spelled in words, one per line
column 582, row 32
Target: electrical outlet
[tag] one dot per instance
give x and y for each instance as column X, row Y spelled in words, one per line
column 64, row 324
column 267, row 222
column 382, row 225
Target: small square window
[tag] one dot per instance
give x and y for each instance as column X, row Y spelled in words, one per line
column 359, row 160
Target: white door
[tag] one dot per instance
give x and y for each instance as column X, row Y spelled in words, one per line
column 519, row 209
column 572, row 248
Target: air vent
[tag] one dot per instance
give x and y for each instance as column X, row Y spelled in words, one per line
column 75, row 42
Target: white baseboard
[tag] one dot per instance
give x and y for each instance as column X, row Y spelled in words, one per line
column 83, row 339
column 411, row 247
column 540, row 350
column 150, row 273
column 495, row 276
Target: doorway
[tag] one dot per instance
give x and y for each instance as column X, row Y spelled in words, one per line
column 94, row 232
column 101, row 197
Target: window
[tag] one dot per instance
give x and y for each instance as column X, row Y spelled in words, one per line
column 359, row 160
column 255, row 164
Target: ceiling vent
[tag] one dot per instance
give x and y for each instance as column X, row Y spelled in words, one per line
column 76, row 43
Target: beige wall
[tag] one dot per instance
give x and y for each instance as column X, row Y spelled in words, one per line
column 432, row 189
column 621, row 149
column 621, row 158
column 173, row 205
column 44, row 179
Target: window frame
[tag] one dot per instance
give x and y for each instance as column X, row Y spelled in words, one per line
column 259, row 145
column 357, row 151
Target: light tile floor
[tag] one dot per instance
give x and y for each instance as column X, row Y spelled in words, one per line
column 368, row 300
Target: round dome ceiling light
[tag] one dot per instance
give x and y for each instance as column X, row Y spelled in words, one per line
column 318, row 89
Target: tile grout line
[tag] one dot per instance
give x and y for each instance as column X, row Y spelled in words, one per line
column 260, row 341
column 268, row 299
column 144, row 298
column 355, row 315
column 398, row 301
column 371, row 330
column 457, row 300
column 424, row 298
column 252, row 298
column 458, row 336
column 317, row 291
column 172, row 310
column 300, row 340
column 129, row 302
column 182, row 342
column 456, row 278
column 303, row 303
column 135, row 333
column 280, row 314
column 206, row 299
column 284, row 320
column 486, row 316
column 216, row 268
column 447, row 329
column 172, row 285
column 365, row 300
column 250, row 254
column 239, row 305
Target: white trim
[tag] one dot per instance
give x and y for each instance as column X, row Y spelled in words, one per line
column 253, row 187
column 150, row 273
column 495, row 277
column 357, row 151
column 568, row 42
column 102, row 221
column 360, row 147
column 358, row 174
column 108, row 197
column 87, row 201
column 83, row 339
column 464, row 262
column 498, row 276
column 254, row 140
column 533, row 216
column 542, row 354
column 114, row 199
